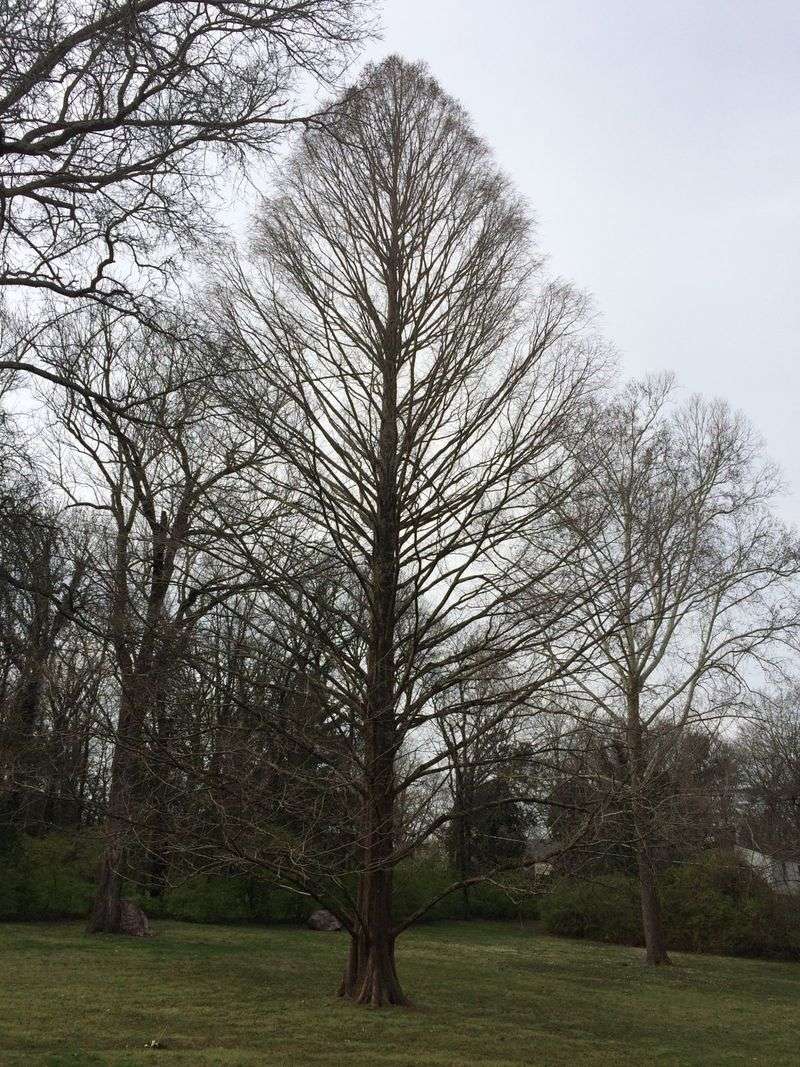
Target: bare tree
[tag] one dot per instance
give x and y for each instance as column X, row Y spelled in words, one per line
column 694, row 578
column 42, row 579
column 176, row 490
column 39, row 600
column 427, row 380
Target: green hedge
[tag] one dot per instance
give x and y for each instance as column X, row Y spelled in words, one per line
column 713, row 904
column 53, row 878
column 602, row 909
column 421, row 879
column 46, row 878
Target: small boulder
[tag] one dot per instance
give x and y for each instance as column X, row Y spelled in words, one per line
column 324, row 921
column 132, row 920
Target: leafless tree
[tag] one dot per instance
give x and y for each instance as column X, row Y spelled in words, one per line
column 39, row 599
column 175, row 491
column 42, row 580
column 694, row 580
column 427, row 381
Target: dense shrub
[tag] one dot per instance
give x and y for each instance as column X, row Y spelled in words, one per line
column 713, row 904
column 53, row 878
column 424, row 877
column 243, row 899
column 603, row 909
column 718, row 904
column 46, row 878
column 232, row 898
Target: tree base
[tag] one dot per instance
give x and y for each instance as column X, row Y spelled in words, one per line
column 660, row 961
column 370, row 978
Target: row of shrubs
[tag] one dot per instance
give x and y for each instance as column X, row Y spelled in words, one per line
column 53, row 878
column 712, row 904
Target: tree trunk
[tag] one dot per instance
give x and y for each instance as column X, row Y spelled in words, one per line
column 371, row 975
column 353, row 976
column 652, row 924
column 655, row 943
column 380, row 986
column 105, row 914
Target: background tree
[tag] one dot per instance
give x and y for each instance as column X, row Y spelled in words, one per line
column 486, row 781
column 692, row 789
column 175, row 488
column 693, row 578
column 42, row 579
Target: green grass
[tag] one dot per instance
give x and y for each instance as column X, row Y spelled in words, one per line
column 490, row 994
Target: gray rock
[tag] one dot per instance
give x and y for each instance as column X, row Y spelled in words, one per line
column 132, row 920
column 324, row 921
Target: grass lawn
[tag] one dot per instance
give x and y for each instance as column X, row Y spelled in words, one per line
column 485, row 993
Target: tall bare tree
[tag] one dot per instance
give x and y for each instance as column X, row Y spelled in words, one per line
column 427, row 380
column 693, row 578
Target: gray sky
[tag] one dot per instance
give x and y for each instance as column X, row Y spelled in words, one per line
column 659, row 146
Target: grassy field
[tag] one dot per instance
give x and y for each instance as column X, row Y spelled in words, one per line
column 488, row 994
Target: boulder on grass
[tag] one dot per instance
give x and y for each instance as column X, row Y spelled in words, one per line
column 132, row 920
column 324, row 921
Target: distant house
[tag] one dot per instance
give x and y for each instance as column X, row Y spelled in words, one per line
column 782, row 875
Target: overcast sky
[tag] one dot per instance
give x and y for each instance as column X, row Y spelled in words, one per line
column 659, row 146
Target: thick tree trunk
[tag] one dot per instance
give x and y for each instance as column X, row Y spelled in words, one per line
column 655, row 942
column 106, row 909
column 380, row 986
column 106, row 913
column 371, row 975
column 141, row 688
column 652, row 924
